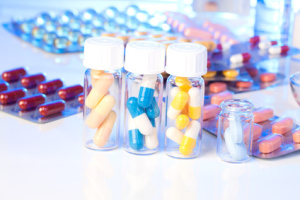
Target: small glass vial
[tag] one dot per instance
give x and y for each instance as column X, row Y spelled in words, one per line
column 235, row 131
column 186, row 63
column 104, row 57
column 144, row 62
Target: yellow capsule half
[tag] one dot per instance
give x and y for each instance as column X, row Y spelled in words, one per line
column 194, row 112
column 183, row 83
column 187, row 145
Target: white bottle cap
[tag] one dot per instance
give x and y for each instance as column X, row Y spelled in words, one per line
column 145, row 57
column 103, row 53
column 186, row 60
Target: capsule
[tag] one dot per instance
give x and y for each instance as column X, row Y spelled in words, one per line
column 13, row 75
column 31, row 102
column 32, row 80
column 81, row 99
column 252, row 71
column 210, row 111
column 244, row 84
column 270, row 143
column 139, row 116
column 237, row 151
column 210, row 74
column 147, row 90
column 177, row 105
column 153, row 110
column 218, row 98
column 224, row 46
column 103, row 133
column 240, row 58
column 257, row 39
column 151, row 141
column 231, row 73
column 266, row 44
column 51, row 108
column 70, row 92
column 3, row 86
column 189, row 139
column 263, row 114
column 267, row 77
column 136, row 139
column 95, row 75
column 183, row 83
column 279, row 49
column 296, row 136
column 194, row 103
column 174, row 135
column 99, row 90
column 50, row 86
column 283, row 125
column 174, row 91
column 217, row 87
column 12, row 96
column 99, row 114
column 182, row 121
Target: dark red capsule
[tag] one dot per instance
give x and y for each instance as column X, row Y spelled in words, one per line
column 50, row 86
column 54, row 107
column 81, row 99
column 32, row 80
column 28, row 103
column 70, row 92
column 3, row 86
column 208, row 63
column 12, row 96
column 13, row 75
column 246, row 57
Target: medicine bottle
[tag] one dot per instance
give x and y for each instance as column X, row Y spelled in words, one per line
column 104, row 57
column 186, row 63
column 144, row 61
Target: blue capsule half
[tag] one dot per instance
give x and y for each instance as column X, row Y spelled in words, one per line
column 152, row 120
column 145, row 96
column 134, row 108
column 136, row 139
column 153, row 110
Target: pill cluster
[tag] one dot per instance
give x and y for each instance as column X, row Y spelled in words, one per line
column 33, row 98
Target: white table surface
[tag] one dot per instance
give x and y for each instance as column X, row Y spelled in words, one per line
column 49, row 162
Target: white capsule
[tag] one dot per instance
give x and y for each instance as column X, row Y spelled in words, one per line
column 195, row 97
column 237, row 58
column 224, row 46
column 174, row 134
column 151, row 141
column 237, row 151
column 236, row 128
column 278, row 49
column 193, row 129
column 143, row 124
column 174, row 91
column 149, row 81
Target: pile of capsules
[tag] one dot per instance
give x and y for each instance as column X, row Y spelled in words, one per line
column 102, row 116
column 185, row 109
column 33, row 98
column 143, row 112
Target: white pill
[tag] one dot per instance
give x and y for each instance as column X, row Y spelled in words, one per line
column 174, row 134
column 237, row 151
column 236, row 128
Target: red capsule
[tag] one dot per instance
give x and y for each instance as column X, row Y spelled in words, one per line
column 50, row 86
column 81, row 99
column 3, row 86
column 28, row 103
column 253, row 72
column 246, row 57
column 13, row 75
column 12, row 96
column 52, row 108
column 70, row 92
column 257, row 39
column 208, row 63
column 32, row 80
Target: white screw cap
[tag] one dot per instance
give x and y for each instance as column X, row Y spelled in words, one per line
column 145, row 57
column 186, row 60
column 103, row 53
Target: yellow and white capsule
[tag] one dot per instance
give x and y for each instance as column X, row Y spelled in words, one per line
column 189, row 139
column 195, row 103
column 178, row 104
column 183, row 83
column 174, row 134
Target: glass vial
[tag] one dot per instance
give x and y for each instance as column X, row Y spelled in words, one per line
column 104, row 57
column 235, row 131
column 186, row 63
column 143, row 96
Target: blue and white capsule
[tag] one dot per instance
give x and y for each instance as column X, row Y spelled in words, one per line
column 147, row 90
column 139, row 116
column 151, row 141
column 136, row 139
column 153, row 110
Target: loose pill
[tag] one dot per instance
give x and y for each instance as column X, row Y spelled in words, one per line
column 283, row 125
column 31, row 102
column 98, row 114
column 3, row 86
column 32, row 80
column 236, row 128
column 52, row 108
column 183, row 83
column 174, row 135
column 279, row 50
column 266, row 44
column 103, row 133
column 237, row 151
column 194, row 103
column 224, row 46
column 210, row 111
column 267, row 77
column 13, row 75
column 217, row 87
column 139, row 116
column 257, row 39
column 153, row 110
column 147, row 90
column 81, row 99
column 182, row 121
column 296, row 136
column 151, row 141
column 70, row 92
column 178, row 104
column 210, row 74
column 218, row 98
column 12, row 96
column 50, row 86
column 231, row 73
column 136, row 139
column 257, row 130
column 244, row 84
column 99, row 90
column 240, row 58
column 189, row 139
column 263, row 114
column 270, row 143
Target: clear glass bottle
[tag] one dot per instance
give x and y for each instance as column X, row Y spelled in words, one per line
column 235, row 131
column 143, row 96
column 186, row 63
column 104, row 57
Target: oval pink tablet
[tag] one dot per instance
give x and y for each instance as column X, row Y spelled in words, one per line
column 210, row 111
column 217, row 87
column 257, row 129
column 218, row 98
column 283, row 125
column 270, row 143
column 197, row 33
column 244, row 84
column 296, row 136
column 267, row 77
column 263, row 114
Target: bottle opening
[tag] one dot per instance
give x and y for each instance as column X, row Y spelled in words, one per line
column 237, row 105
